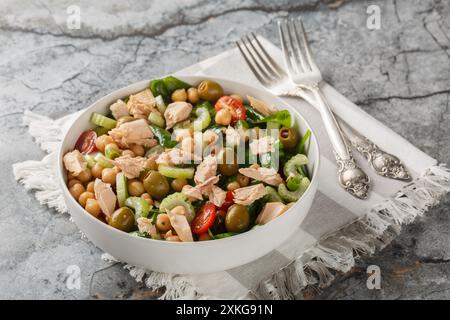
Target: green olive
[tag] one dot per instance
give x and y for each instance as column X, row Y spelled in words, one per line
column 209, row 90
column 156, row 185
column 289, row 138
column 228, row 169
column 122, row 219
column 237, row 218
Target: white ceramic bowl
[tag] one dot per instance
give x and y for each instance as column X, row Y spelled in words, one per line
column 195, row 257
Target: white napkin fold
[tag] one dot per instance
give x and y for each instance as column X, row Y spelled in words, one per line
column 337, row 226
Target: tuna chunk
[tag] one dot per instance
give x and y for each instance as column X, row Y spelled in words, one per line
column 141, row 103
column 248, row 195
column 105, row 196
column 261, row 106
column 119, row 109
column 192, row 192
column 200, row 189
column 206, row 169
column 216, row 195
column 233, row 136
column 74, row 162
column 145, row 225
column 267, row 175
column 270, row 211
column 130, row 166
column 181, row 226
column 134, row 132
column 176, row 156
column 263, row 145
column 177, row 112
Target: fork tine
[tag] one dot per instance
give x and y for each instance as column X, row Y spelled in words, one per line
column 307, row 48
column 284, row 47
column 274, row 65
column 266, row 65
column 255, row 60
column 254, row 69
column 298, row 46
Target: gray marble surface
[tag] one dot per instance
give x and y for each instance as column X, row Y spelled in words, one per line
column 400, row 74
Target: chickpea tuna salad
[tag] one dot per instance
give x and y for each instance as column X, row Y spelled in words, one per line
column 186, row 163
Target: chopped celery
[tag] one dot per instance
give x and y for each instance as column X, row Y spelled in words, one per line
column 102, row 121
column 272, row 195
column 100, row 131
column 103, row 161
column 140, row 206
column 90, row 159
column 302, row 144
column 160, row 104
column 291, row 196
column 177, row 199
column 157, row 119
column 111, row 152
column 294, row 164
column 225, row 235
column 121, row 188
column 203, row 118
column 293, row 182
column 176, row 173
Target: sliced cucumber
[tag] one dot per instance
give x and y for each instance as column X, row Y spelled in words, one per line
column 103, row 161
column 157, row 119
column 272, row 195
column 121, row 188
column 102, row 121
column 160, row 104
column 177, row 199
column 176, row 173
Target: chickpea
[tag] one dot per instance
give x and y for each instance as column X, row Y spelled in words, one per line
column 128, row 152
column 70, row 176
column 178, row 184
column 116, row 169
column 109, row 176
column 82, row 199
column 93, row 207
column 223, row 117
column 85, row 175
column 102, row 141
column 242, row 180
column 179, row 95
column 173, row 238
column 135, row 188
column 192, row 95
column 76, row 190
column 147, row 198
column 237, row 97
column 179, row 210
column 163, row 222
column 233, row 186
column 204, row 237
column 72, row 182
column 138, row 150
column 112, row 145
column 90, row 186
column 96, row 171
column 210, row 136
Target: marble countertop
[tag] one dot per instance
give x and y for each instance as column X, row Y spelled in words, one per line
column 399, row 73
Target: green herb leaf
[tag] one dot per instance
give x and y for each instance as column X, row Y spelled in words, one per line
column 163, row 136
column 282, row 117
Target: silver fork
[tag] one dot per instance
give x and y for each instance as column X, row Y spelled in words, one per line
column 276, row 80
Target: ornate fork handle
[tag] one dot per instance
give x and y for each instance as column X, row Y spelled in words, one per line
column 352, row 178
column 383, row 163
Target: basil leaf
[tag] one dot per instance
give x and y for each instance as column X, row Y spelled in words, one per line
column 282, row 117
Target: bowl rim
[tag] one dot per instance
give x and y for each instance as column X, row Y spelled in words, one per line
column 290, row 211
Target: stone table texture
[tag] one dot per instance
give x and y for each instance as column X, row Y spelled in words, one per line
column 400, row 74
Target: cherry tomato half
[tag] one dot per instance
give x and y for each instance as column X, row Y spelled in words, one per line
column 86, row 142
column 204, row 218
column 228, row 201
column 234, row 105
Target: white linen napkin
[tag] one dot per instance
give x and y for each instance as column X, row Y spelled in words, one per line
column 338, row 228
